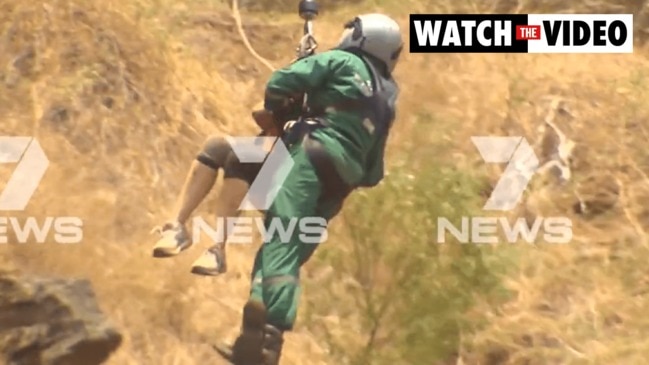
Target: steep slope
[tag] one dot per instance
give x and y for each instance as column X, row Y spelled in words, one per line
column 120, row 97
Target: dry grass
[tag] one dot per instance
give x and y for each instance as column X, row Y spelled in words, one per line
column 120, row 94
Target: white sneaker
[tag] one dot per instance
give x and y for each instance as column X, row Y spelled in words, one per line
column 174, row 240
column 211, row 263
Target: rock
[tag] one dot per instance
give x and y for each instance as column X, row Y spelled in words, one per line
column 47, row 321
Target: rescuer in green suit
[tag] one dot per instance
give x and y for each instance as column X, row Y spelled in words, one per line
column 336, row 146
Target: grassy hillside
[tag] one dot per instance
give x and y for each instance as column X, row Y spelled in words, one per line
column 120, row 95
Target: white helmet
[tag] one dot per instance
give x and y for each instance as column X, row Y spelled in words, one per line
column 375, row 34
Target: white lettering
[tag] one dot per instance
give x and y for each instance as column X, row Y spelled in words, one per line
column 492, row 229
column 427, row 35
column 452, row 35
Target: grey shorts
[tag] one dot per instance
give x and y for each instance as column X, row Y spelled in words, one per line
column 217, row 154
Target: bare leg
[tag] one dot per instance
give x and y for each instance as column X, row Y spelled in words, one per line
column 236, row 182
column 213, row 261
column 216, row 154
column 198, row 184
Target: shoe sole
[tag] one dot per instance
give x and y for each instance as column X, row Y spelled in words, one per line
column 165, row 252
column 203, row 271
column 198, row 269
column 248, row 348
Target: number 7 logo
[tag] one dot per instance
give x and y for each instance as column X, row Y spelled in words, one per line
column 271, row 176
column 521, row 161
column 32, row 164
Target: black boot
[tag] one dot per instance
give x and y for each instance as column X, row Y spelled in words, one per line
column 273, row 342
column 248, row 347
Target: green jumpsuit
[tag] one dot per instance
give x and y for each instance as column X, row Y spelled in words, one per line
column 355, row 146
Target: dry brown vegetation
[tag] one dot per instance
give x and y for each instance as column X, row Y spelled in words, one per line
column 121, row 94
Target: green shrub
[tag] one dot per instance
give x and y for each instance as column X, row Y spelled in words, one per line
column 413, row 293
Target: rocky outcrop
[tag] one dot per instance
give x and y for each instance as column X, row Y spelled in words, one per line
column 46, row 321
